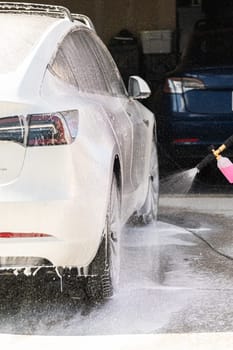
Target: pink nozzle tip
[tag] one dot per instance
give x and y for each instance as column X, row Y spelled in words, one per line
column 228, row 173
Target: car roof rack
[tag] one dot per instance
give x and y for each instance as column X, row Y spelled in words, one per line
column 42, row 9
column 50, row 10
column 84, row 19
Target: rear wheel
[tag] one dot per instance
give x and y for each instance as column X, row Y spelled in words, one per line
column 104, row 270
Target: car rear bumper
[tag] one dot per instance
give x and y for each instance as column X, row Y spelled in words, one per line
column 58, row 194
column 72, row 240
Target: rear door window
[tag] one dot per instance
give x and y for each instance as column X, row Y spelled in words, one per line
column 106, row 64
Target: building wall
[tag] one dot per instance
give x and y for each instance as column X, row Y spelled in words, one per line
column 110, row 16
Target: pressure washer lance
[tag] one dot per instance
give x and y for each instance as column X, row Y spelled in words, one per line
column 223, row 163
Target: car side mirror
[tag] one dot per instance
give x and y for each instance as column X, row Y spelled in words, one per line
column 138, row 88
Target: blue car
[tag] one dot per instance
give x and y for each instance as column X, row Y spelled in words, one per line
column 197, row 100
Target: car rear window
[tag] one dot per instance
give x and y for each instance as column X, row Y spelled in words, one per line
column 19, row 35
column 210, row 48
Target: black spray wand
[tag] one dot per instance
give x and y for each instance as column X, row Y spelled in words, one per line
column 215, row 153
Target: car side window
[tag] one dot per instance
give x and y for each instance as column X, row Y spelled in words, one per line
column 85, row 66
column 106, row 63
column 80, row 61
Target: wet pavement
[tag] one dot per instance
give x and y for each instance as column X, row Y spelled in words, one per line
column 176, row 277
column 208, row 271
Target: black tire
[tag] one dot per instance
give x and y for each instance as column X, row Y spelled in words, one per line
column 148, row 212
column 105, row 267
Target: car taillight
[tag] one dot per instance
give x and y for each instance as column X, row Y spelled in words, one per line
column 187, row 141
column 23, row 235
column 12, row 129
column 59, row 128
column 180, row 85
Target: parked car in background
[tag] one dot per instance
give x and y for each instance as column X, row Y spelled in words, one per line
column 197, row 108
column 77, row 151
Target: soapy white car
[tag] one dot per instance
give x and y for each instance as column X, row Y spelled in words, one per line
column 77, row 152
